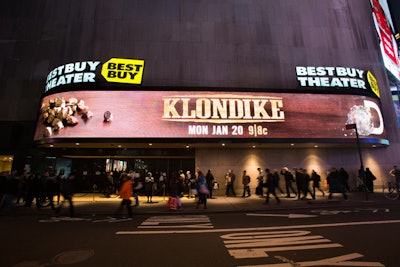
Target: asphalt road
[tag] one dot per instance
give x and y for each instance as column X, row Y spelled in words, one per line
column 344, row 236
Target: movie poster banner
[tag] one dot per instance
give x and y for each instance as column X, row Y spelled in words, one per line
column 197, row 114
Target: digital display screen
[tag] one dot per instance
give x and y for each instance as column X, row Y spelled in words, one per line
column 385, row 29
column 195, row 114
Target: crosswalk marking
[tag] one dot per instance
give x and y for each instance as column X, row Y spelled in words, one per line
column 183, row 221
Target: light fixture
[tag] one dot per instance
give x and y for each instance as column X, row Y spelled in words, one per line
column 77, row 144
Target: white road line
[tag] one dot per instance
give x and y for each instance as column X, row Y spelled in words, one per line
column 203, row 225
column 290, row 216
column 256, row 228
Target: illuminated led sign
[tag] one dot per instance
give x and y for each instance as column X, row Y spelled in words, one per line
column 224, row 109
column 119, row 70
column 195, row 114
column 337, row 77
column 387, row 41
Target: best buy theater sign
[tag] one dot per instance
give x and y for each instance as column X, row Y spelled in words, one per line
column 336, row 77
column 116, row 70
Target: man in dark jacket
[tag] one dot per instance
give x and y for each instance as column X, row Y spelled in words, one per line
column 271, row 184
column 67, row 190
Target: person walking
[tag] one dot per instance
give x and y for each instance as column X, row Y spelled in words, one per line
column 299, row 182
column 306, row 178
column 67, row 191
column 10, row 191
column 270, row 183
column 202, row 189
column 289, row 180
column 137, row 186
column 210, row 182
column 344, row 177
column 260, row 181
column 125, row 192
column 335, row 185
column 369, row 180
column 230, row 181
column 277, row 178
column 246, row 184
column 316, row 179
column 109, row 184
column 50, row 188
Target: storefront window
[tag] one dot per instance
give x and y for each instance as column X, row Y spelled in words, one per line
column 6, row 163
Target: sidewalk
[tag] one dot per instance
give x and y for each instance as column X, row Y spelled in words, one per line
column 98, row 205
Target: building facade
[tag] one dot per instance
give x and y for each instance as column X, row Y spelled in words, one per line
column 197, row 84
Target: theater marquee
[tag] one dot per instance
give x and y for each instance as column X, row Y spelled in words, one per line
column 183, row 114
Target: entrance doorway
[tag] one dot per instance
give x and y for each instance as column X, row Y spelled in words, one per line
column 91, row 173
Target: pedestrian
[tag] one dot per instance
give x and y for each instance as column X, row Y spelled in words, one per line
column 395, row 172
column 148, row 187
column 230, row 182
column 176, row 185
column 137, row 186
column 289, row 180
column 193, row 192
column 335, row 185
column 109, row 184
column 125, row 192
column 51, row 188
column 246, row 184
column 22, row 186
column 58, row 179
column 299, row 182
column 270, row 184
column 277, row 178
column 316, row 179
column 162, row 181
column 34, row 190
column 260, row 181
column 10, row 192
column 344, row 177
column 210, row 182
column 202, row 189
column 306, row 178
column 369, row 180
column 67, row 191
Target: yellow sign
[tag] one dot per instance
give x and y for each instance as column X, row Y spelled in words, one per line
column 122, row 70
column 373, row 84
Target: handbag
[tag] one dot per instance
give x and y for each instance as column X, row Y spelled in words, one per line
column 204, row 190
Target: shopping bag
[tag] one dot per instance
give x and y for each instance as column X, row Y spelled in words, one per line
column 172, row 203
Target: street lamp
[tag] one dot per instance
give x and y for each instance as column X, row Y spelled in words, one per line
column 362, row 173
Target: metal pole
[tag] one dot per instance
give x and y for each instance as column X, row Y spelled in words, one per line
column 362, row 165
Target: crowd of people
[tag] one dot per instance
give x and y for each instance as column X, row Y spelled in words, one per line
column 46, row 189
column 133, row 184
column 42, row 189
column 301, row 184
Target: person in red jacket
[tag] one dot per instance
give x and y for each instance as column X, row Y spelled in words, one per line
column 125, row 192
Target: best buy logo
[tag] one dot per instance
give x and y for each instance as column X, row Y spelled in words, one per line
column 373, row 84
column 122, row 70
